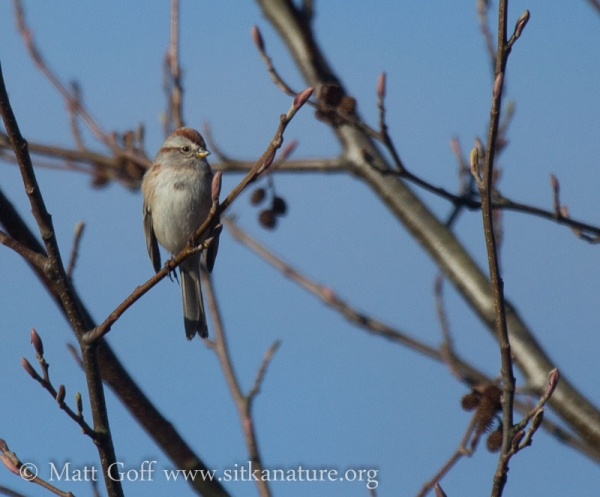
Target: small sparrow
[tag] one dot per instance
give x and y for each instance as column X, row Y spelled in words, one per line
column 177, row 200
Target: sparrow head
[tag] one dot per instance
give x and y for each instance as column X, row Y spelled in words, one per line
column 187, row 142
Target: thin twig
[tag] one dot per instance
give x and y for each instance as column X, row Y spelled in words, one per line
column 349, row 119
column 384, row 136
column 277, row 79
column 242, row 402
column 75, row 249
column 462, row 450
column 10, row 492
column 330, row 298
column 485, row 183
column 260, row 375
column 73, row 106
column 45, row 382
column 176, row 93
column 14, row 465
column 38, row 60
column 447, row 347
column 482, row 13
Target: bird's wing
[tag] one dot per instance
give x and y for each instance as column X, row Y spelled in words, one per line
column 151, row 241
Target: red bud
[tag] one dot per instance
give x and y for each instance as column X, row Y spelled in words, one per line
column 302, row 97
column 37, row 343
column 29, row 368
column 258, row 39
column 498, row 84
column 553, row 380
column 9, row 463
column 269, row 160
column 381, row 86
column 455, row 146
column 438, row 491
column 289, row 148
column 517, row 438
column 329, row 295
column 216, row 185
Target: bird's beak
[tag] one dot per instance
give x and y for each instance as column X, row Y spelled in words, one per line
column 202, row 154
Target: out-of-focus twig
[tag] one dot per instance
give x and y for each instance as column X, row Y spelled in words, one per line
column 462, row 450
column 174, row 86
column 70, row 98
column 483, row 7
column 242, row 402
column 595, row 4
column 75, row 249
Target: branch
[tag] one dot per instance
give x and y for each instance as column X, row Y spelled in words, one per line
column 124, row 166
column 485, row 185
column 462, row 450
column 34, row 258
column 440, row 243
column 242, row 402
column 58, row 395
column 25, row 471
column 175, row 95
column 54, row 270
column 466, row 372
column 262, row 370
column 75, row 250
column 482, row 13
column 70, row 98
column 106, row 167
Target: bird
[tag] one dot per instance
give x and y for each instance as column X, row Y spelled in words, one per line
column 177, row 200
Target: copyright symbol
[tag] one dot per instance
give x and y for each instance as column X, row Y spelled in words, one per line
column 28, row 471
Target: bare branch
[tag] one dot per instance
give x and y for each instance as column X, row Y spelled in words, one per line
column 260, row 375
column 176, row 89
column 14, row 464
column 75, row 249
column 447, row 252
column 482, row 13
column 242, row 402
column 71, row 99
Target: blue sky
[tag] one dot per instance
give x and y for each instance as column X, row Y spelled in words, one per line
column 333, row 396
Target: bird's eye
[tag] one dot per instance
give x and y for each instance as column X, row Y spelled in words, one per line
column 185, row 149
